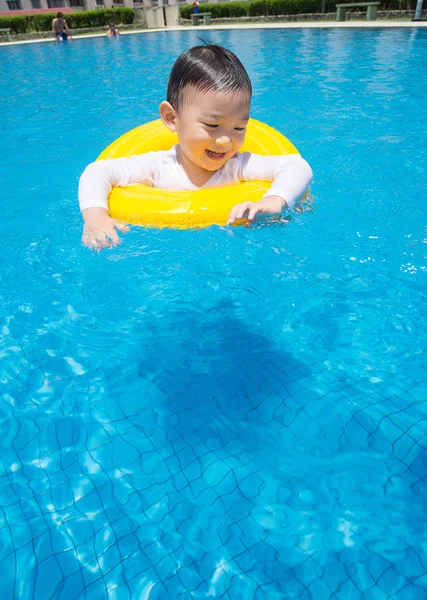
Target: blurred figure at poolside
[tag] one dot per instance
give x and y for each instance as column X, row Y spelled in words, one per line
column 112, row 30
column 196, row 7
column 60, row 28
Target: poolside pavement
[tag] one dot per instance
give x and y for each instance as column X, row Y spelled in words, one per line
column 290, row 25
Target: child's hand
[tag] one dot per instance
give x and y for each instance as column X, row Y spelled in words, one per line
column 99, row 229
column 271, row 205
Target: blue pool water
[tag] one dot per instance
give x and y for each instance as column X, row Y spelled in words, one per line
column 231, row 412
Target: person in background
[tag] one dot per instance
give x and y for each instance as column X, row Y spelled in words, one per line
column 196, row 7
column 112, row 30
column 60, row 28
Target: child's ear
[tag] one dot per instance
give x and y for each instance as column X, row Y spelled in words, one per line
column 168, row 115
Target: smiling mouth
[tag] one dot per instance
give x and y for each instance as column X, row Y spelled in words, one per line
column 215, row 155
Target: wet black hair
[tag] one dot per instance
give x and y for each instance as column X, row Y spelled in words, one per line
column 207, row 68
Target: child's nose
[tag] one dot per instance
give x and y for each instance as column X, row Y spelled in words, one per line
column 223, row 140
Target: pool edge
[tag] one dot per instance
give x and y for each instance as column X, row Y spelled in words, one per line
column 293, row 25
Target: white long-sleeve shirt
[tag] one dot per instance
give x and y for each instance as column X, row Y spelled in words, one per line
column 290, row 175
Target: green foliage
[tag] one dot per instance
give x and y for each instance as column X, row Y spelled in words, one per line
column 100, row 17
column 398, row 5
column 219, row 11
column 262, row 8
column 77, row 20
column 186, row 10
column 259, row 8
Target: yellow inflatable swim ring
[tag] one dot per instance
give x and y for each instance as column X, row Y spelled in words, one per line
column 153, row 207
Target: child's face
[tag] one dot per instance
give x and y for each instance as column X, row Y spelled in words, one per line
column 211, row 127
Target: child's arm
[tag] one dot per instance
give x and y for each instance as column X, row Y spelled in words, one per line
column 95, row 185
column 290, row 175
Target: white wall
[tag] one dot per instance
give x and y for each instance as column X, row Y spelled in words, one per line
column 154, row 16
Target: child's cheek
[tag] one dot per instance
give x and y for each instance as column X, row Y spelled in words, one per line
column 203, row 135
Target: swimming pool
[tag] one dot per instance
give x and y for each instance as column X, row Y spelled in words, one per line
column 226, row 413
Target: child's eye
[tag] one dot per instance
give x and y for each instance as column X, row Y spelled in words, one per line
column 209, row 125
column 240, row 128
